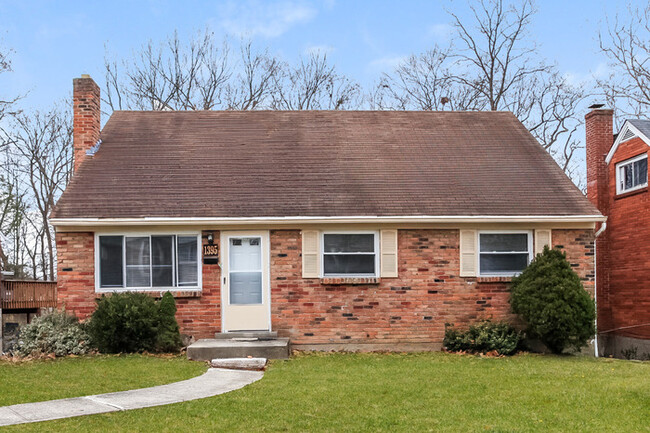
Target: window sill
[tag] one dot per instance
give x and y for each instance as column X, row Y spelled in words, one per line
column 494, row 279
column 187, row 293
column 353, row 281
column 631, row 193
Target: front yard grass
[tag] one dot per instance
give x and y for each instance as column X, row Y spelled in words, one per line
column 51, row 379
column 404, row 392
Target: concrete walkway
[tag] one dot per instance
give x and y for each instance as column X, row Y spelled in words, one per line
column 215, row 381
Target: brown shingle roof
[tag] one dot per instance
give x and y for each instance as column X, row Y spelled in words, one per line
column 318, row 163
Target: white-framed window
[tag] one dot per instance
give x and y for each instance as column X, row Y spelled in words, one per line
column 350, row 254
column 147, row 261
column 632, row 174
column 504, row 253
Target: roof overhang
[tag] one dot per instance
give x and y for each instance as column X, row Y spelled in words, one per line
column 627, row 126
column 68, row 222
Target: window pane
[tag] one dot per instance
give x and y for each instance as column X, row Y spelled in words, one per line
column 137, row 262
column 110, row 261
column 246, row 288
column 245, row 254
column 641, row 172
column 499, row 242
column 503, row 263
column 161, row 260
column 628, row 176
column 349, row 264
column 187, row 266
column 349, row 243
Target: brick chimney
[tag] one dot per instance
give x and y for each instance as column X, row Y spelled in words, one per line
column 87, row 117
column 599, row 139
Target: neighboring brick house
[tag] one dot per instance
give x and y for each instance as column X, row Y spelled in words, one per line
column 338, row 229
column 617, row 176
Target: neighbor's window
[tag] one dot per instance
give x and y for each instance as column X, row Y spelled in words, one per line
column 155, row 261
column 632, row 174
column 504, row 254
column 350, row 254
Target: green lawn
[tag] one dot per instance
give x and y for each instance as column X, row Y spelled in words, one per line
column 73, row 377
column 413, row 392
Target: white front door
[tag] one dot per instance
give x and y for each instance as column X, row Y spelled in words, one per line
column 245, row 277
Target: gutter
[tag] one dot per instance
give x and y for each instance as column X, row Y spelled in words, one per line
column 225, row 221
column 600, row 231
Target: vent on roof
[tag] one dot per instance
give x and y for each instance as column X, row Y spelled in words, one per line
column 627, row 135
column 93, row 150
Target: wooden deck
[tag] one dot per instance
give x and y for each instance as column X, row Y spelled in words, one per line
column 28, row 294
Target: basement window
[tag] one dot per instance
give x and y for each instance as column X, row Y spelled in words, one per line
column 632, row 174
column 350, row 254
column 147, row 262
column 504, row 254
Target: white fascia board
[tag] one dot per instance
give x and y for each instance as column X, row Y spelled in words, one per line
column 62, row 222
column 619, row 139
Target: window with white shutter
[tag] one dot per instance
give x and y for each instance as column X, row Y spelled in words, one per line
column 388, row 250
column 310, row 254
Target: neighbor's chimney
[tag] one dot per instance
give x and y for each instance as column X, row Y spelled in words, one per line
column 87, row 117
column 599, row 139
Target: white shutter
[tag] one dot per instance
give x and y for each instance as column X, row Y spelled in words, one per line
column 468, row 253
column 310, row 254
column 542, row 239
column 388, row 249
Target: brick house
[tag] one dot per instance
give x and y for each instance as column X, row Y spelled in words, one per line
column 340, row 230
column 617, row 176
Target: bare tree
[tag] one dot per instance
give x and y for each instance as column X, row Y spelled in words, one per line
column 314, row 84
column 7, row 103
column 425, row 82
column 254, row 84
column 171, row 76
column 44, row 143
column 627, row 46
column 202, row 75
column 496, row 51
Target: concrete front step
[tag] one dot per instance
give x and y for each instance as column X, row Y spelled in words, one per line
column 255, row 364
column 247, row 335
column 209, row 349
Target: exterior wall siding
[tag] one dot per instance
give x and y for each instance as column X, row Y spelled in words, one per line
column 625, row 245
column 411, row 310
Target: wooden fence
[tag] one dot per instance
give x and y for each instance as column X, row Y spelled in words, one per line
column 28, row 294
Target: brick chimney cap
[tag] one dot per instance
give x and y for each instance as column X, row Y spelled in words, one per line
column 591, row 107
column 85, row 75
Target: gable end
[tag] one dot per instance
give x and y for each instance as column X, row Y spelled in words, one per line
column 628, row 132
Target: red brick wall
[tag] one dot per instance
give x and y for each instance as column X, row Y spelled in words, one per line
column 199, row 317
column 413, row 308
column 410, row 309
column 86, row 117
column 626, row 297
column 75, row 279
column 599, row 140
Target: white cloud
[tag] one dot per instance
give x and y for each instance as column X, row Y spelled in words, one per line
column 601, row 71
column 440, row 32
column 387, row 64
column 266, row 19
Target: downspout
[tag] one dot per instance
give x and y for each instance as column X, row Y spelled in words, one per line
column 598, row 233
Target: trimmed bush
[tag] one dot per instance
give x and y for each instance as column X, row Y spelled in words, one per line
column 169, row 336
column 124, row 322
column 56, row 333
column 550, row 297
column 483, row 337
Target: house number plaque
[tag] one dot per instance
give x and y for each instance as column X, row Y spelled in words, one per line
column 211, row 254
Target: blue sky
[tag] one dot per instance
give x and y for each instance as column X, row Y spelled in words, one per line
column 54, row 42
